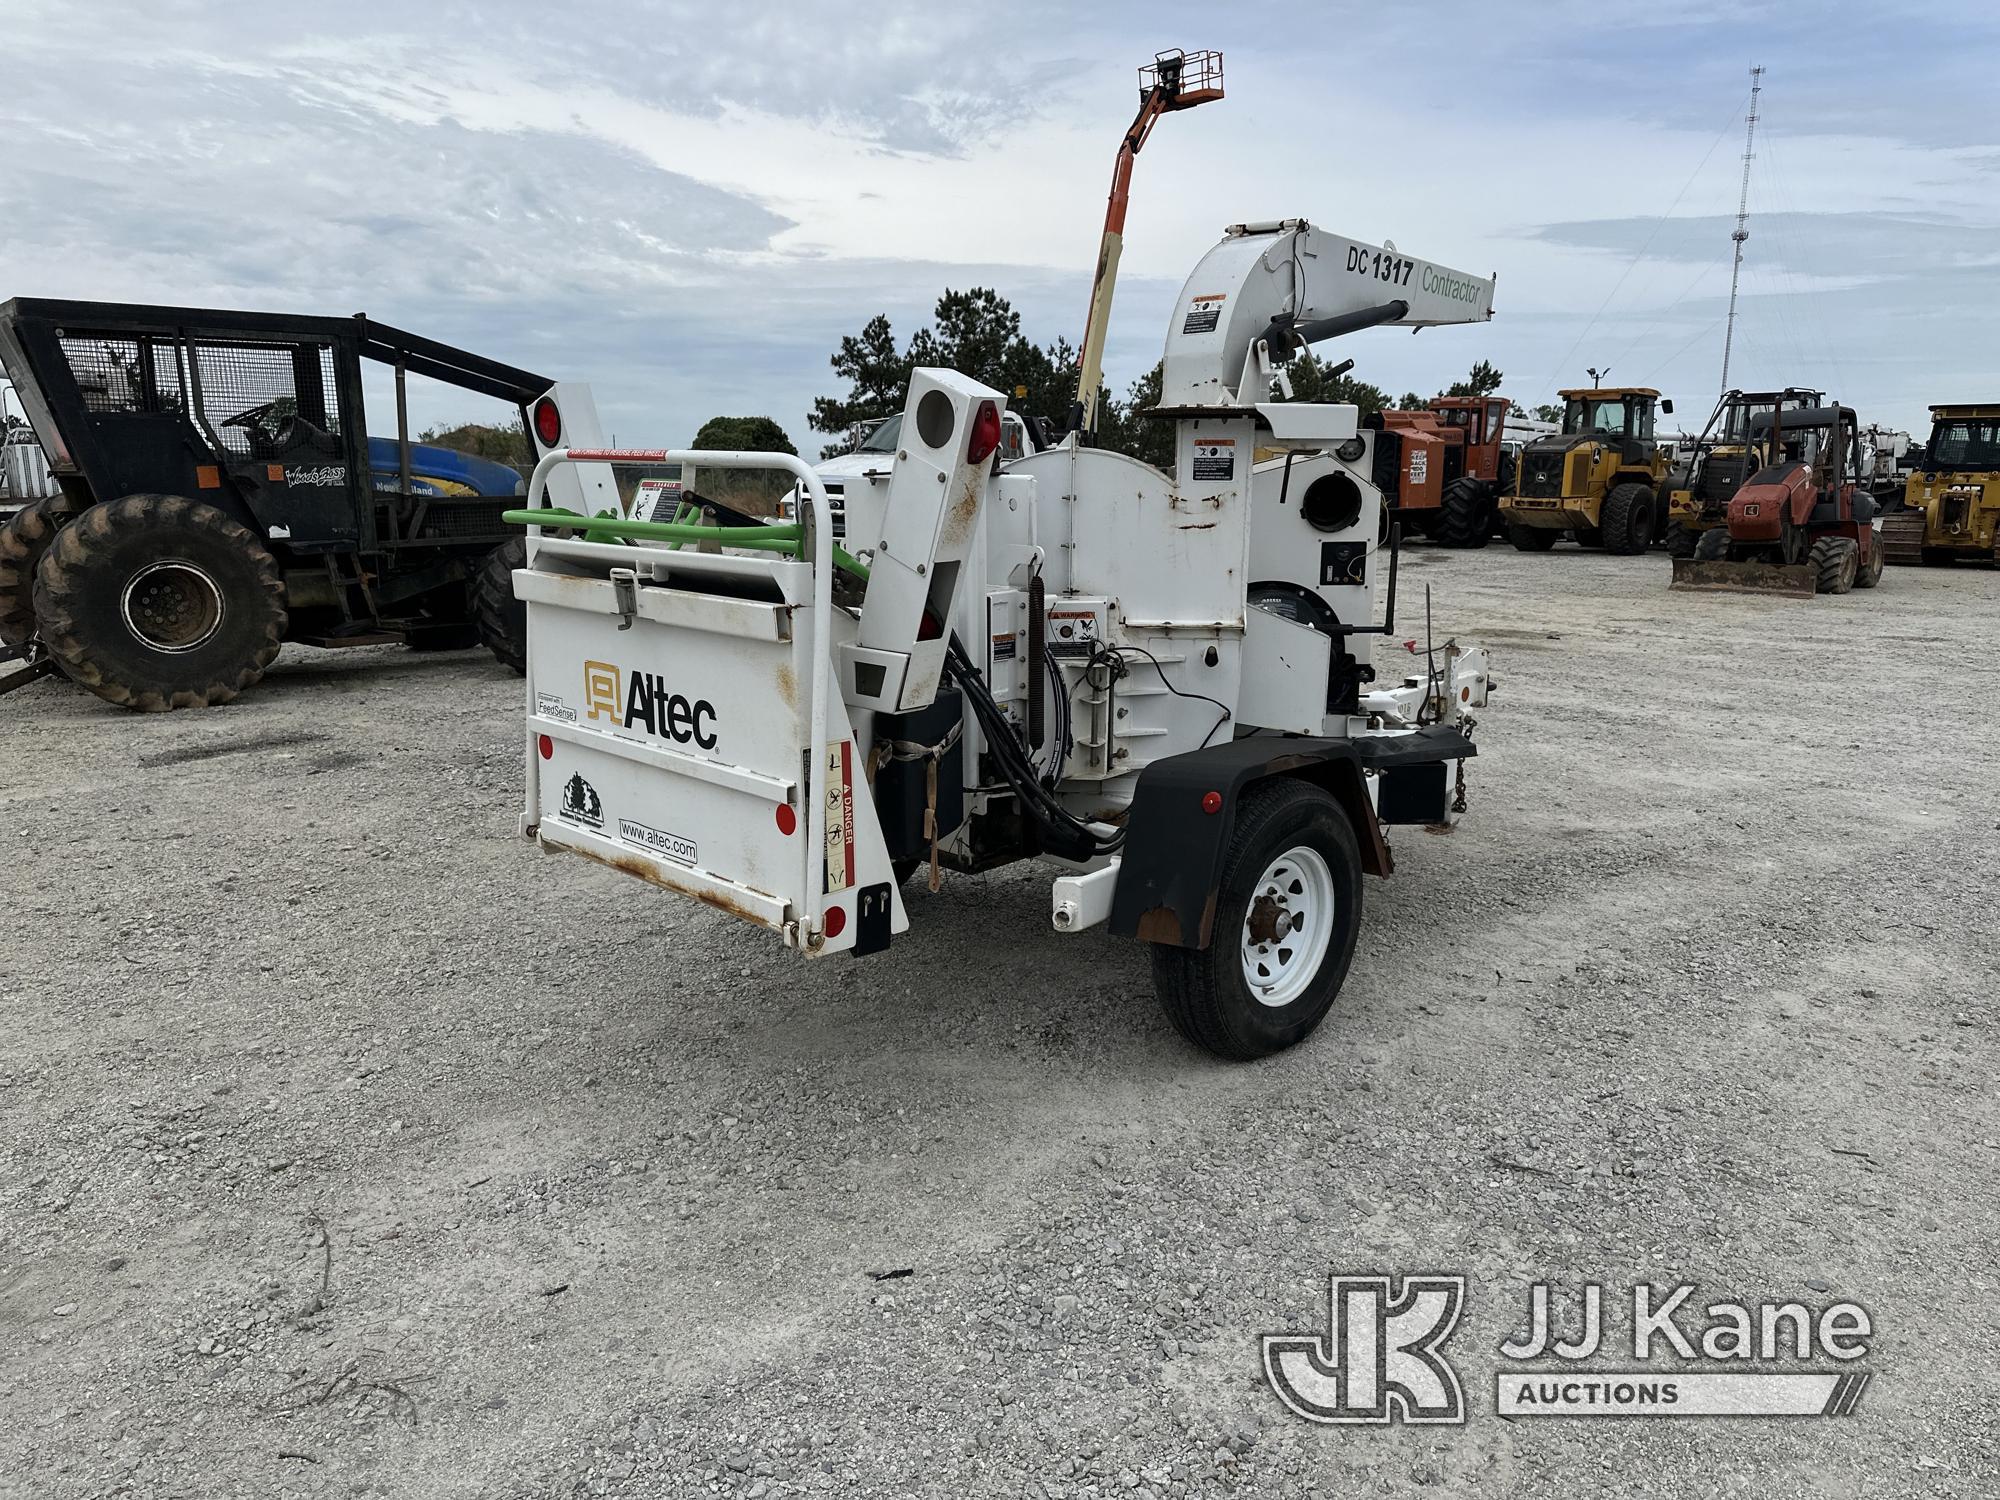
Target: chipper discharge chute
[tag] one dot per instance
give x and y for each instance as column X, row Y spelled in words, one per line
column 1158, row 682
column 1804, row 524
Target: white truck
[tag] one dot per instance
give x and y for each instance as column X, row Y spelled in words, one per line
column 1160, row 683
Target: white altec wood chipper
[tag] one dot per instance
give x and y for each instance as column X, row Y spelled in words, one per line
column 1159, row 682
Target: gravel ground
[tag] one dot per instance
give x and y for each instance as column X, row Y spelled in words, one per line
column 349, row 1146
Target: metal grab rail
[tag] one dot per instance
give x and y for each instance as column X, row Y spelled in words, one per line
column 820, row 534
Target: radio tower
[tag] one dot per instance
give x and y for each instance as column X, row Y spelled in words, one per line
column 1742, row 217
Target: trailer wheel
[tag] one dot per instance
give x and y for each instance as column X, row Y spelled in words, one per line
column 1680, row 542
column 1713, row 544
column 1465, row 514
column 502, row 619
column 23, row 540
column 156, row 602
column 1286, row 919
column 1532, row 538
column 1626, row 520
column 1834, row 561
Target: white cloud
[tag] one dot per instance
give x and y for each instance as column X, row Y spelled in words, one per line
column 689, row 203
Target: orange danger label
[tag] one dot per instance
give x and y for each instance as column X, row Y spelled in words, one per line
column 840, row 816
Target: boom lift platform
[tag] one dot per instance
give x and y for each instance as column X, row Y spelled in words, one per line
column 1160, row 682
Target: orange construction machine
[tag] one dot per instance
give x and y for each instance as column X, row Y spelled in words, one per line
column 1441, row 468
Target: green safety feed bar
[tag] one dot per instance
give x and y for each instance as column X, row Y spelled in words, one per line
column 787, row 538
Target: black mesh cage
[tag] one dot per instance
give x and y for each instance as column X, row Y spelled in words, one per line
column 118, row 376
column 269, row 400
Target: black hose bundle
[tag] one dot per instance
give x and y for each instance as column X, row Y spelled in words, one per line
column 1059, row 831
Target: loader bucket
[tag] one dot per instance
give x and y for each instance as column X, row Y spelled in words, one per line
column 1699, row 576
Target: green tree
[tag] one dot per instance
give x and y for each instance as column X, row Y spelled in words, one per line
column 746, row 434
column 1313, row 380
column 1124, row 427
column 975, row 332
column 1549, row 411
column 504, row 442
column 1411, row 401
column 1483, row 380
column 877, row 376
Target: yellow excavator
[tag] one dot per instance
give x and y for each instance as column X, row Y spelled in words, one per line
column 1951, row 507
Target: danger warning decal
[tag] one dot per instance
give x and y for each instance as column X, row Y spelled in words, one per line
column 840, row 816
column 1204, row 313
column 1214, row 459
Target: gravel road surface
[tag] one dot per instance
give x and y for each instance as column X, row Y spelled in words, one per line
column 349, row 1146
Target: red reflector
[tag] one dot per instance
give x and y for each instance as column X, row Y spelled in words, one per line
column 1211, row 802
column 788, row 821
column 547, row 746
column 836, row 921
column 929, row 626
column 548, row 422
column 985, row 433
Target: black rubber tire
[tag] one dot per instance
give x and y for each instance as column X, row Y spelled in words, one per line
column 1532, row 538
column 1713, row 544
column 26, row 536
column 1203, row 990
column 80, row 597
column 502, row 619
column 1679, row 541
column 1587, row 536
column 1465, row 513
column 1868, row 574
column 1834, row 560
column 1626, row 519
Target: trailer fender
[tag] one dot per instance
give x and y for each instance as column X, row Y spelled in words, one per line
column 1183, row 816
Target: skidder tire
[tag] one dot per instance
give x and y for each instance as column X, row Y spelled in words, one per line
column 1532, row 538
column 156, row 602
column 23, row 541
column 1465, row 514
column 1627, row 520
column 1713, row 544
column 1287, row 915
column 1679, row 541
column 502, row 619
column 1834, row 561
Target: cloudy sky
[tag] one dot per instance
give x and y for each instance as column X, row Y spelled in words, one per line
column 688, row 204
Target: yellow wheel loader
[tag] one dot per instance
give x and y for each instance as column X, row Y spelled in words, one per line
column 1951, row 508
column 1725, row 455
column 1601, row 479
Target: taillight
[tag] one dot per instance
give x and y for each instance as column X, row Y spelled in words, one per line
column 985, row 433
column 548, row 422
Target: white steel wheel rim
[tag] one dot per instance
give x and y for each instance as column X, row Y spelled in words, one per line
column 1288, row 927
column 173, row 606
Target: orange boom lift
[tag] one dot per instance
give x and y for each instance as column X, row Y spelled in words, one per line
column 1175, row 80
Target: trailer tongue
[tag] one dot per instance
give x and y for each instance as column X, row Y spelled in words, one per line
column 1161, row 683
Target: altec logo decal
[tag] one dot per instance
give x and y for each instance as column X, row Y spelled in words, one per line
column 1381, row 1359
column 647, row 703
